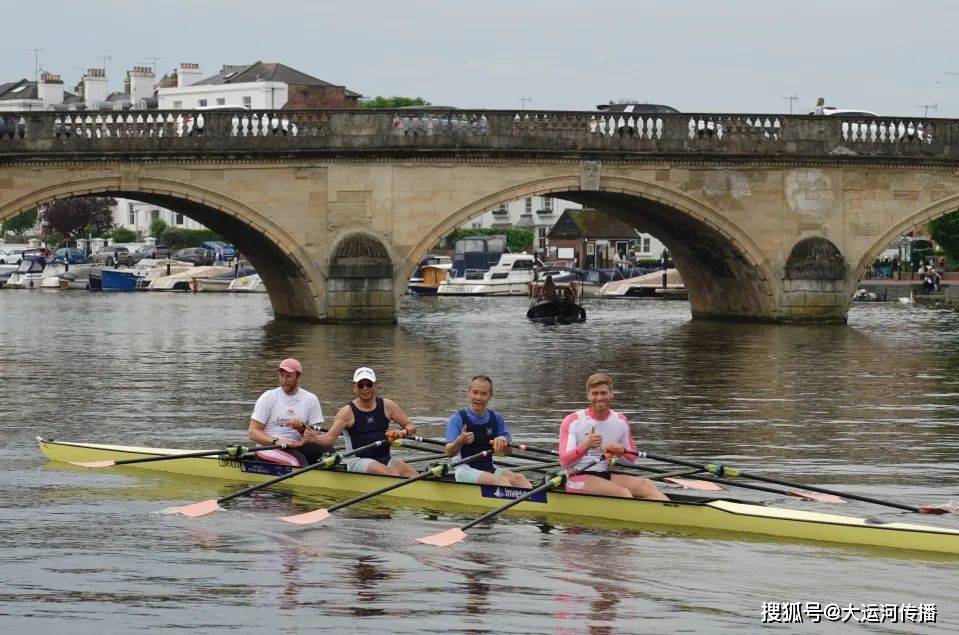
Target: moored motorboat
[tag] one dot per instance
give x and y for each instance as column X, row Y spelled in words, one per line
column 682, row 511
column 186, row 280
column 509, row 276
column 429, row 275
column 248, row 284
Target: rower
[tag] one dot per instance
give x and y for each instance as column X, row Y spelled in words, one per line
column 281, row 415
column 473, row 430
column 588, row 437
column 366, row 419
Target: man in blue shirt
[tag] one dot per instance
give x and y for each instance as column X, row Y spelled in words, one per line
column 472, row 430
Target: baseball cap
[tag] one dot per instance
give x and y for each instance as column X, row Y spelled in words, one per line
column 290, row 365
column 364, row 373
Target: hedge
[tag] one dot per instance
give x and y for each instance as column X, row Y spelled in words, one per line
column 177, row 238
column 518, row 239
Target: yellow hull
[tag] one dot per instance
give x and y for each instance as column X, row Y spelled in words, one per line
column 713, row 515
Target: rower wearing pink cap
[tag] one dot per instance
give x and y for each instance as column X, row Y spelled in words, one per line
column 282, row 414
column 365, row 420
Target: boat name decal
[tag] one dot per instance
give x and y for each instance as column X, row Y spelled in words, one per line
column 509, row 493
column 270, row 469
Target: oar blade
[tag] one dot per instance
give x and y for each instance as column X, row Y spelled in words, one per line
column 444, row 538
column 817, row 496
column 308, row 518
column 93, row 464
column 692, row 483
column 945, row 508
column 195, row 510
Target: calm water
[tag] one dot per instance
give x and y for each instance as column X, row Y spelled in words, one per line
column 871, row 407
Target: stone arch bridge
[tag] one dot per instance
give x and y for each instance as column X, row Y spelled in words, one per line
column 771, row 218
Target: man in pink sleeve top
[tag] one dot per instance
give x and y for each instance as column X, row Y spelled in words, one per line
column 587, row 436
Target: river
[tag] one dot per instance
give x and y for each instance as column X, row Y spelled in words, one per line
column 871, row 407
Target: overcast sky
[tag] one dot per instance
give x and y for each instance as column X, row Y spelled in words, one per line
column 722, row 56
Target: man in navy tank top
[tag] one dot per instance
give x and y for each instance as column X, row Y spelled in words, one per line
column 477, row 428
column 366, row 419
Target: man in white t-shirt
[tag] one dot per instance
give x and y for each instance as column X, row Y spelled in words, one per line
column 282, row 414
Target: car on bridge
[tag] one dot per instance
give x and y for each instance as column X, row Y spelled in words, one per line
column 846, row 112
column 637, row 108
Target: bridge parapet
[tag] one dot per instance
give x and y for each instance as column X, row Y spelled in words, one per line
column 37, row 134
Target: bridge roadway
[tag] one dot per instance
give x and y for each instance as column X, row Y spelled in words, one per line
column 769, row 217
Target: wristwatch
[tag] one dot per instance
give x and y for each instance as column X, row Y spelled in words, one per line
column 274, row 440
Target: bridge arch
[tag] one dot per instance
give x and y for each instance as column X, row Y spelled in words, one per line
column 919, row 217
column 726, row 273
column 290, row 275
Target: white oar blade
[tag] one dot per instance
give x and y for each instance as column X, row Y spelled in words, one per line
column 308, row 518
column 444, row 538
column 92, row 463
column 692, row 483
column 816, row 496
column 197, row 509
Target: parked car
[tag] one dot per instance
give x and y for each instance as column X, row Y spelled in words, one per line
column 637, row 108
column 113, row 255
column 846, row 112
column 199, row 256
column 220, row 249
column 70, row 255
column 150, row 251
column 12, row 257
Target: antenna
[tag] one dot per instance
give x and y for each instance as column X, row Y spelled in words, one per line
column 154, row 61
column 927, row 107
column 36, row 64
column 524, row 100
column 791, row 99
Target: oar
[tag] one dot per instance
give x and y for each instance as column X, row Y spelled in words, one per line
column 428, row 457
column 209, row 506
column 233, row 451
column 436, row 471
column 720, row 470
column 455, row 535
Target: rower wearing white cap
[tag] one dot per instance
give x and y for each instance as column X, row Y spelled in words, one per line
column 282, row 413
column 366, row 419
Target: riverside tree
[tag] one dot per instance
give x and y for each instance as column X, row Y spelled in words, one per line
column 393, row 102
column 945, row 232
column 21, row 223
column 77, row 217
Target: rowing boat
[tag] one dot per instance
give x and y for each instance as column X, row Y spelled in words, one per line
column 698, row 512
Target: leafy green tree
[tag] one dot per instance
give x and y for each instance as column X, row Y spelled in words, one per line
column 79, row 216
column 157, row 228
column 393, row 102
column 123, row 235
column 179, row 238
column 945, row 231
column 21, row 223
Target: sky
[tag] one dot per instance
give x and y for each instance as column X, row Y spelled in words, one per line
column 894, row 58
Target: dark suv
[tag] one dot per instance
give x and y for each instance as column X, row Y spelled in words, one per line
column 197, row 255
column 155, row 252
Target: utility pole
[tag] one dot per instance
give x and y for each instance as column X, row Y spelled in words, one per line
column 927, row 107
column 791, row 99
column 36, row 64
column 524, row 100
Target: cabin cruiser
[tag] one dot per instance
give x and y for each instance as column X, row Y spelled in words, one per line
column 429, row 275
column 510, row 276
column 221, row 283
column 33, row 269
column 140, row 276
column 187, row 279
column 248, row 284
column 644, row 286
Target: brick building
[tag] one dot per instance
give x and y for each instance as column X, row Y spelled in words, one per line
column 597, row 239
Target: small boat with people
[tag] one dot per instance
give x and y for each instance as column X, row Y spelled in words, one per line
column 555, row 302
column 511, row 275
column 435, row 487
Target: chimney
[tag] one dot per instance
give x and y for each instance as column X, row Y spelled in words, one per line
column 141, row 83
column 94, row 86
column 188, row 74
column 50, row 89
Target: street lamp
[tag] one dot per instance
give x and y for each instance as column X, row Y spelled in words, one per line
column 665, row 265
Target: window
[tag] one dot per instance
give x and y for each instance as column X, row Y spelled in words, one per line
column 477, row 225
column 529, row 205
column 177, row 105
column 201, row 103
column 248, row 102
column 221, row 101
column 179, row 218
column 541, row 238
column 646, row 245
column 547, row 204
column 154, row 215
column 500, row 211
column 132, row 217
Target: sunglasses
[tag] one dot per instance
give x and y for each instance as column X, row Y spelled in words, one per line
column 364, row 383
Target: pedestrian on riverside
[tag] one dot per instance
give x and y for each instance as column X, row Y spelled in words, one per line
column 820, row 106
column 282, row 415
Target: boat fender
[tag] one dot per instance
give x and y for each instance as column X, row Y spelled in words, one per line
column 721, row 470
column 235, row 451
column 440, row 470
column 558, row 479
column 332, row 460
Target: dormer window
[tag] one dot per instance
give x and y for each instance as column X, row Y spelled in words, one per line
column 18, row 89
column 229, row 75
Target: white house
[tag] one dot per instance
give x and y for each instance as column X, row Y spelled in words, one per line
column 138, row 216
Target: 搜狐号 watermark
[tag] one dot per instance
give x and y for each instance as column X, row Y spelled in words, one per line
column 815, row 612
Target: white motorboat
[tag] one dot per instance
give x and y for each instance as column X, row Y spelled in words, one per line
column 429, row 275
column 223, row 282
column 33, row 270
column 187, row 279
column 647, row 285
column 510, row 276
column 248, row 284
